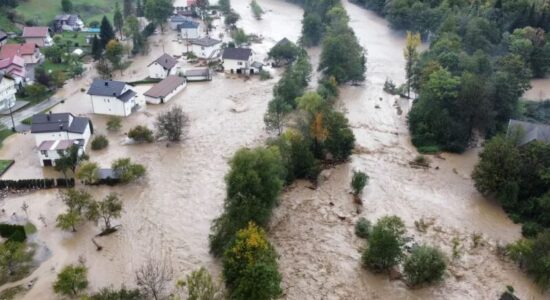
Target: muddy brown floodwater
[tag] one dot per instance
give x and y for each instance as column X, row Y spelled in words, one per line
column 170, row 212
column 313, row 230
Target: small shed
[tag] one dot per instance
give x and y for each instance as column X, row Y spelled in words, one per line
column 528, row 132
column 165, row 90
column 202, row 74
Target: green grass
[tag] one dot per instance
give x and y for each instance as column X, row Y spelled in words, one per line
column 36, row 100
column 4, row 133
column 10, row 293
column 44, row 11
column 4, row 164
column 429, row 149
column 7, row 25
column 75, row 37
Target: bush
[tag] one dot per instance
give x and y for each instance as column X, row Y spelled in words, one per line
column 265, row 75
column 170, row 124
column 114, row 124
column 362, row 228
column 127, row 171
column 358, row 182
column 100, row 142
column 71, row 280
column 385, row 242
column 425, row 265
column 531, row 229
column 15, row 233
column 536, row 261
column 141, row 134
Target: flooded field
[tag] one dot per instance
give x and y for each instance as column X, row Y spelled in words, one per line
column 169, row 213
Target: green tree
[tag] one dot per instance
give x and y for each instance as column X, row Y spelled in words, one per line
column 141, row 134
column 88, row 173
column 200, row 286
column 114, row 123
column 68, row 220
column 103, row 68
column 340, row 140
column 170, row 124
column 358, row 182
column 385, row 241
column 128, row 8
column 66, row 6
column 284, row 51
column 231, row 19
column 69, row 159
column 106, row 32
column 312, row 29
column 106, row 210
column 14, row 258
column 76, row 200
column 256, row 9
column 100, row 142
column 536, row 261
column 274, row 118
column 225, row 6
column 127, row 171
column 411, row 57
column 425, row 265
column 139, row 9
column 114, row 52
column 158, row 11
column 250, row 266
column 118, row 20
column 71, row 281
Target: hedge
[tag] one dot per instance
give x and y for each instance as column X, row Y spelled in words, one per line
column 15, row 233
column 29, row 184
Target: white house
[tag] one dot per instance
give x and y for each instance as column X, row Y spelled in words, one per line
column 7, row 92
column 205, row 48
column 114, row 98
column 57, row 132
column 68, row 22
column 189, row 30
column 238, row 60
column 165, row 90
column 162, row 67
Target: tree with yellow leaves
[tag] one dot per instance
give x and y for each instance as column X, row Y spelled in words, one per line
column 250, row 266
column 411, row 56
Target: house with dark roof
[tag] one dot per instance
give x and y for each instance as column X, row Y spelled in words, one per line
column 175, row 20
column 115, row 98
column 67, row 22
column 55, row 132
column 162, row 67
column 205, row 48
column 189, row 30
column 201, row 74
column 165, row 90
column 3, row 38
column 238, row 60
column 527, row 132
column 39, row 35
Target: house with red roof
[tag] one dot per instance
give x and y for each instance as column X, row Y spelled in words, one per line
column 28, row 51
column 14, row 67
column 40, row 35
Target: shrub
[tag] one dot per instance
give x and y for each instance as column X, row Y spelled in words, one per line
column 170, row 124
column 358, row 182
column 71, row 280
column 114, row 124
column 127, row 171
column 88, row 173
column 425, row 265
column 100, row 142
column 14, row 233
column 362, row 228
column 385, row 241
column 265, row 75
column 531, row 229
column 141, row 134
column 536, row 261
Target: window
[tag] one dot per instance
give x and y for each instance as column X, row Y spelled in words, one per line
column 240, row 63
column 44, row 152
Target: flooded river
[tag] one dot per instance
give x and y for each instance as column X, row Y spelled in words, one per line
column 169, row 213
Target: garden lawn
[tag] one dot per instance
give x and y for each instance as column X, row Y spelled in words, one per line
column 44, row 11
column 4, row 133
column 7, row 25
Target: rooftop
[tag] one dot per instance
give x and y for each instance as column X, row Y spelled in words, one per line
column 529, row 131
column 188, row 24
column 57, row 145
column 165, row 87
column 237, row 53
column 111, row 88
column 58, row 122
column 166, row 61
column 36, row 31
column 204, row 42
column 10, row 50
column 197, row 72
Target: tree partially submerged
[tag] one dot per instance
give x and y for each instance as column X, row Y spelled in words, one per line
column 384, row 247
column 127, row 171
column 153, row 277
column 171, row 124
column 71, row 281
column 106, row 210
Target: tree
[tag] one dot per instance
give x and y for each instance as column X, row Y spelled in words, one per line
column 200, row 286
column 76, row 200
column 170, row 124
column 128, row 8
column 112, row 294
column 153, row 277
column 362, row 228
column 114, row 52
column 106, row 32
column 88, row 173
column 103, row 68
column 139, row 9
column 157, row 11
column 225, row 6
column 250, row 266
column 536, row 261
column 14, row 258
column 114, row 123
column 58, row 78
column 385, row 241
column 69, row 159
column 284, row 51
column 256, row 9
column 127, row 171
column 274, row 118
column 110, row 207
column 66, row 6
column 340, row 140
column 141, row 134
column 100, row 142
column 118, row 20
column 231, row 19
column 68, row 220
column 411, row 57
column 71, row 281
column 358, row 182
column 254, row 183
column 425, row 265
column 312, row 29
column 342, row 56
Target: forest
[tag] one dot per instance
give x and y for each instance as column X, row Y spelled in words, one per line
column 481, row 58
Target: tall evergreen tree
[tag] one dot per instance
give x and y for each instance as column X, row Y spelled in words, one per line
column 158, row 11
column 118, row 21
column 96, row 48
column 128, row 8
column 139, row 8
column 106, row 32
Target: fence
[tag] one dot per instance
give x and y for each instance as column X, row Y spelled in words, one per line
column 36, row 184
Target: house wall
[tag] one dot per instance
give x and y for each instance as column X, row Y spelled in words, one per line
column 111, row 106
column 62, row 135
column 157, row 71
column 231, row 64
column 7, row 93
column 40, row 41
column 168, row 97
column 51, row 155
column 205, row 52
